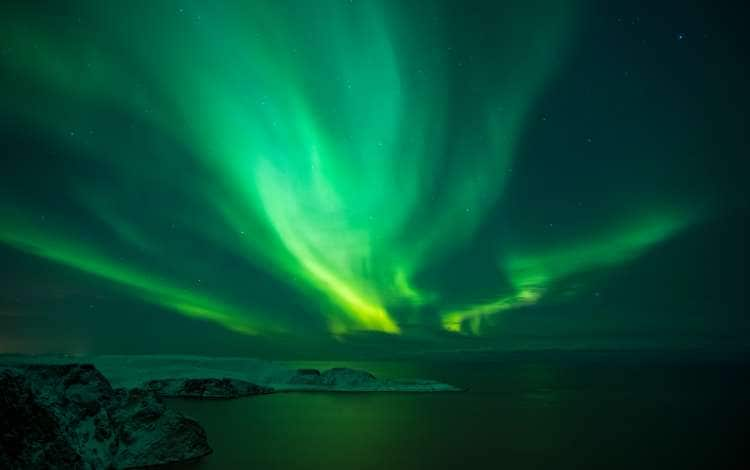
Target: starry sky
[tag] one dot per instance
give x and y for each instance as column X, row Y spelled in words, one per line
column 371, row 177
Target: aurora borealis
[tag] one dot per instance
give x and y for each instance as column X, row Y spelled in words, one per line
column 417, row 171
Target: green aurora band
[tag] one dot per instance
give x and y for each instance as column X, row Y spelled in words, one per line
column 531, row 274
column 314, row 137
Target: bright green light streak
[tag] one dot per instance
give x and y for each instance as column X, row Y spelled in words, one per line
column 532, row 273
column 456, row 320
column 146, row 287
column 324, row 124
column 611, row 248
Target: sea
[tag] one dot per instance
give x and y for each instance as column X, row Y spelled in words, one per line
column 552, row 409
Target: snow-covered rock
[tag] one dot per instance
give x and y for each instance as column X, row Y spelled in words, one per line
column 139, row 370
column 205, row 388
column 68, row 416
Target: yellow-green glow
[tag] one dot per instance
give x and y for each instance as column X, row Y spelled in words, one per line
column 343, row 150
column 532, row 272
column 472, row 315
column 617, row 245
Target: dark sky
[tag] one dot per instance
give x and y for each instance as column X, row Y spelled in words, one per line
column 338, row 178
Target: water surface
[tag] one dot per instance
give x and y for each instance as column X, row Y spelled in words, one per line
column 522, row 411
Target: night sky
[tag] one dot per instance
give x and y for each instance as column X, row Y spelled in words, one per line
column 312, row 178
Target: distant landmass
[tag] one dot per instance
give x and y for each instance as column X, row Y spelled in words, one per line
column 140, row 370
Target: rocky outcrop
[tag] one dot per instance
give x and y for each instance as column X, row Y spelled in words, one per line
column 69, row 416
column 32, row 436
column 306, row 377
column 205, row 388
column 332, row 378
column 342, row 379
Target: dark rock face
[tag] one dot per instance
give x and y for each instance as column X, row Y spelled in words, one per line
column 32, row 435
column 154, row 434
column 205, row 388
column 69, row 417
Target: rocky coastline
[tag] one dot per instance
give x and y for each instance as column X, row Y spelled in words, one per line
column 107, row 412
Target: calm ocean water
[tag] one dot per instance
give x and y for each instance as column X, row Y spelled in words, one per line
column 521, row 412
